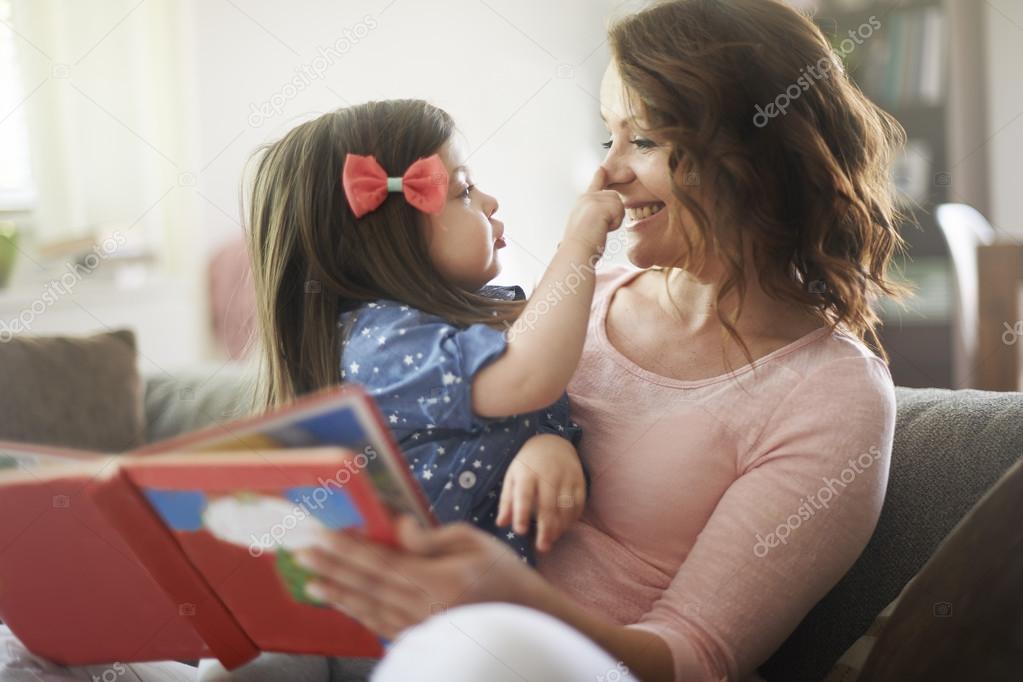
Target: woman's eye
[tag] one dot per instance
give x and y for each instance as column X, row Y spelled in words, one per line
column 467, row 192
column 640, row 142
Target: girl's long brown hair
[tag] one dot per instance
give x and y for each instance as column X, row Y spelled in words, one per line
column 312, row 259
column 806, row 192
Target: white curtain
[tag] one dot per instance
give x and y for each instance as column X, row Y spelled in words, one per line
column 16, row 189
column 109, row 118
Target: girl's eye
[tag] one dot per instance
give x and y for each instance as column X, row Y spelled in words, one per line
column 606, row 145
column 467, row 192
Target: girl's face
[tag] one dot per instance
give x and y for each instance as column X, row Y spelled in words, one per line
column 637, row 168
column 464, row 237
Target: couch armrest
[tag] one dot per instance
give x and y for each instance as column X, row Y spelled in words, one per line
column 950, row 448
column 179, row 403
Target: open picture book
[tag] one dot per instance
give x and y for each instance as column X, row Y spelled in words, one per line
column 184, row 549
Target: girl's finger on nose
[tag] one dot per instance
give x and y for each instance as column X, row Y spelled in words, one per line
column 599, row 180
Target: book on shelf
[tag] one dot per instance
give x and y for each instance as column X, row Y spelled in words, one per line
column 903, row 64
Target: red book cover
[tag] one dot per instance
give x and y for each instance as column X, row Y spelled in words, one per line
column 71, row 588
column 344, row 416
column 236, row 520
column 96, row 566
column 155, row 548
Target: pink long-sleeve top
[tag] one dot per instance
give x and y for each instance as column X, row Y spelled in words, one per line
column 722, row 510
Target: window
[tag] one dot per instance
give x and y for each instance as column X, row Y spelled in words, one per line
column 16, row 189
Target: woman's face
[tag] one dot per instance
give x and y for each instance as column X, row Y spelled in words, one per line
column 464, row 237
column 637, row 168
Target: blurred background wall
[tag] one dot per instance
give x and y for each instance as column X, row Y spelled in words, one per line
column 125, row 127
column 136, row 118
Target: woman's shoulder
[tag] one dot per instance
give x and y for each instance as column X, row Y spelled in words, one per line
column 840, row 348
column 839, row 369
column 836, row 391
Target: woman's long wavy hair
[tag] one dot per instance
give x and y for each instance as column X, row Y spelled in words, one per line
column 313, row 259
column 806, row 192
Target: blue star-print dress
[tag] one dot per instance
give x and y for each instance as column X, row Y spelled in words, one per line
column 419, row 369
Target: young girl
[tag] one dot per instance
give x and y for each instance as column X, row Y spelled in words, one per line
column 372, row 247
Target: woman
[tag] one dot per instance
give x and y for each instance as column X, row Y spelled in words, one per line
column 737, row 427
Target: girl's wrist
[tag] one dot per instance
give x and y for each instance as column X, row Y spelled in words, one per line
column 592, row 247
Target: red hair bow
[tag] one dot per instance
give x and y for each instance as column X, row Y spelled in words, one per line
column 366, row 185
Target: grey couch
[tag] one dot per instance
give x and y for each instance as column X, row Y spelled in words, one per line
column 950, row 447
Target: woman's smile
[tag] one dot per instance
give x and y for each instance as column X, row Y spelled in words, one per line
column 642, row 214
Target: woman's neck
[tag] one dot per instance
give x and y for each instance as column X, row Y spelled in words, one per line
column 691, row 301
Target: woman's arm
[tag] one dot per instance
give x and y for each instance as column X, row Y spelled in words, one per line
column 546, row 341
column 644, row 653
column 808, row 493
column 389, row 589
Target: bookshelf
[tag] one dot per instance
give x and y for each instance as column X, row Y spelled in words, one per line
column 904, row 62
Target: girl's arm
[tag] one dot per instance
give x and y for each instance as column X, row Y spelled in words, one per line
column 546, row 476
column 546, row 341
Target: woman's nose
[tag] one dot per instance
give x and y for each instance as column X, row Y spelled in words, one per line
column 618, row 171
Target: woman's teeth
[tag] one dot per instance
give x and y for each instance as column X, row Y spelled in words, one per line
column 637, row 214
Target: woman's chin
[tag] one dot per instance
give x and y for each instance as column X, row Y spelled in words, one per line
column 640, row 257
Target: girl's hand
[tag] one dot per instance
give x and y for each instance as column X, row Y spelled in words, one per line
column 389, row 589
column 546, row 476
column 595, row 213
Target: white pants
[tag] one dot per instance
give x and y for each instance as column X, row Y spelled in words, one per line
column 497, row 643
column 492, row 642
